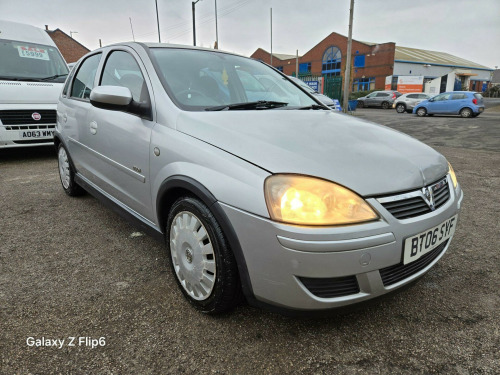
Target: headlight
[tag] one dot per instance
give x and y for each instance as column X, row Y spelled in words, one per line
column 452, row 175
column 311, row 201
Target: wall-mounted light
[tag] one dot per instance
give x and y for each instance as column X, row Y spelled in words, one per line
column 427, row 65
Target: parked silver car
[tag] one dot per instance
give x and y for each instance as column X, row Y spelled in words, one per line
column 322, row 98
column 406, row 102
column 260, row 192
column 383, row 99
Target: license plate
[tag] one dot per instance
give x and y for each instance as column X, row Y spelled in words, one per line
column 420, row 244
column 36, row 133
column 481, row 109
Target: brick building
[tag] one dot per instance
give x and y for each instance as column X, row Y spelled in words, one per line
column 372, row 63
column 70, row 48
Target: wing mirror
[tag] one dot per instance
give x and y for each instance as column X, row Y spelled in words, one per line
column 431, row 99
column 118, row 98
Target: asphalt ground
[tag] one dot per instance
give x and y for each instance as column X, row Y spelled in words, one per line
column 73, row 268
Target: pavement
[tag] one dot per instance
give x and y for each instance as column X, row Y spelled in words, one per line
column 72, row 270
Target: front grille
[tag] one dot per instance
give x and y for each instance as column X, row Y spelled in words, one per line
column 23, row 117
column 30, row 127
column 393, row 274
column 331, row 287
column 413, row 204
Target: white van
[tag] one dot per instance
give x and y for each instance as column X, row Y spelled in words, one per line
column 32, row 73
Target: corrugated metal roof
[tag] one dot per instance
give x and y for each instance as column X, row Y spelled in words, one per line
column 284, row 56
column 433, row 57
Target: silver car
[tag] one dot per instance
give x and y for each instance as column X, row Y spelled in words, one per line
column 383, row 99
column 259, row 192
column 406, row 102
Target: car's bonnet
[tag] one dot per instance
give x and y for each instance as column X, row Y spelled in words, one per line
column 368, row 158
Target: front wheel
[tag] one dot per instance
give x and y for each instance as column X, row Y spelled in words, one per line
column 385, row 105
column 361, row 104
column 400, row 108
column 421, row 112
column 201, row 259
column 466, row 112
column 67, row 174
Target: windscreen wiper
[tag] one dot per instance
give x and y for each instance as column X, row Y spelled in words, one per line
column 5, row 78
column 260, row 104
column 314, row 106
column 53, row 77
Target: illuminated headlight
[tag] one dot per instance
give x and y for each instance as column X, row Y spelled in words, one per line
column 452, row 175
column 303, row 200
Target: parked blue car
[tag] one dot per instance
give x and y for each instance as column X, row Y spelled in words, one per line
column 463, row 103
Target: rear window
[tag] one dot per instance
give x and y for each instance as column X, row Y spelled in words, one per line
column 478, row 96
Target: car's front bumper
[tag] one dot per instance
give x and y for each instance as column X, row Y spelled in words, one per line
column 281, row 259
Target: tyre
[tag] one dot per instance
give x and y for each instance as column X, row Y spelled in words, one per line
column 385, row 105
column 67, row 173
column 421, row 112
column 361, row 104
column 201, row 259
column 400, row 108
column 466, row 112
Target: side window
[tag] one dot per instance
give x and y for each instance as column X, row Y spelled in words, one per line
column 84, row 80
column 121, row 69
column 412, row 96
column 66, row 85
column 381, row 94
column 458, row 96
column 442, row 97
column 423, row 96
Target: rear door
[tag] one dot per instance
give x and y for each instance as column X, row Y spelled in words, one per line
column 457, row 102
column 74, row 112
column 121, row 139
column 380, row 98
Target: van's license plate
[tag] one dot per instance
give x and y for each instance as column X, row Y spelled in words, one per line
column 36, row 133
column 420, row 244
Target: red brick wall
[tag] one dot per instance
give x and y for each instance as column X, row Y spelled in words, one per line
column 379, row 64
column 70, row 48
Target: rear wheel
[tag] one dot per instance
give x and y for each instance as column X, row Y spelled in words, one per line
column 385, row 105
column 67, row 174
column 202, row 261
column 466, row 112
column 400, row 108
column 421, row 112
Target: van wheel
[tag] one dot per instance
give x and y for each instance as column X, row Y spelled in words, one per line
column 421, row 112
column 201, row 259
column 67, row 174
column 466, row 112
column 385, row 105
column 400, row 108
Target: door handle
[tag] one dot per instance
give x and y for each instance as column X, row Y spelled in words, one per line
column 93, row 127
column 65, row 117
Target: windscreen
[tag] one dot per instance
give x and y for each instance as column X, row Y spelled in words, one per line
column 198, row 80
column 23, row 61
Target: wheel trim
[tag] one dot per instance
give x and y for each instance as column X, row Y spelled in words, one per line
column 400, row 108
column 193, row 256
column 64, row 172
column 466, row 112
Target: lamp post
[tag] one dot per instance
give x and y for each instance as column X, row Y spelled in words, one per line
column 194, row 25
column 347, row 75
column 216, row 28
column 158, row 21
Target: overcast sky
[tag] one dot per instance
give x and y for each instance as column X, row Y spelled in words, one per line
column 466, row 28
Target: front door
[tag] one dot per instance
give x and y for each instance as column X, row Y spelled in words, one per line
column 121, row 139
